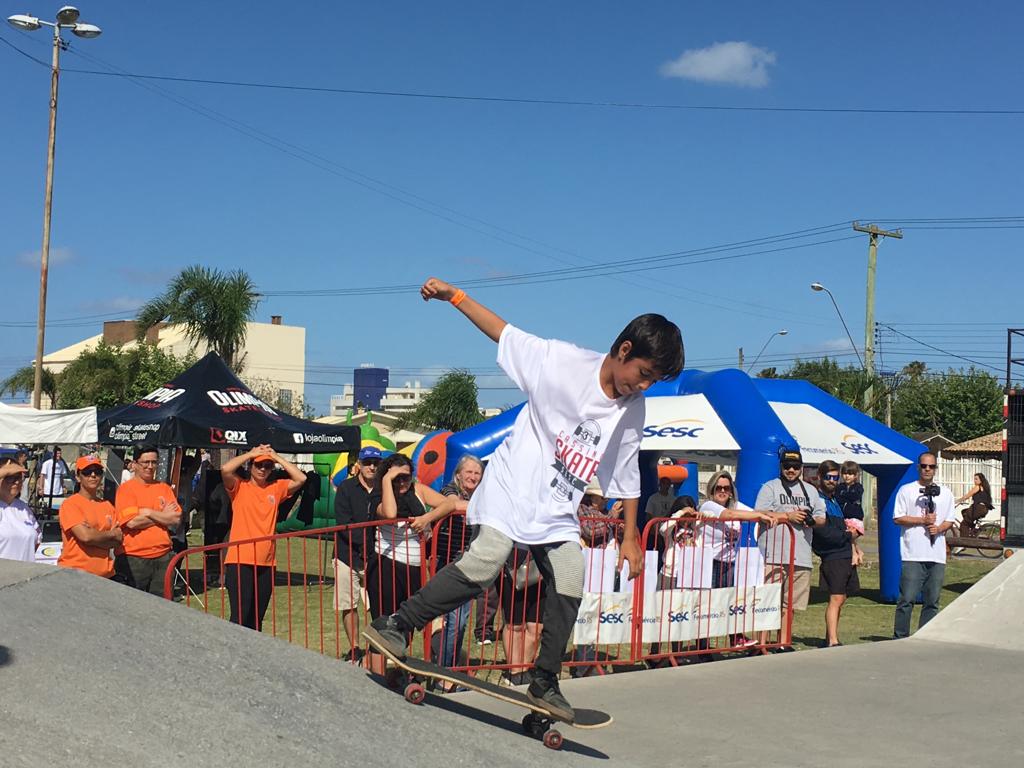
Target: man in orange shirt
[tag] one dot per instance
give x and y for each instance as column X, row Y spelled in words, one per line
column 88, row 523
column 249, row 568
column 145, row 510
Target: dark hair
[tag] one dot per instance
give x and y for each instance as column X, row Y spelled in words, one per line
column 984, row 484
column 827, row 466
column 682, row 502
column 142, row 448
column 56, row 449
column 394, row 460
column 655, row 338
column 850, row 466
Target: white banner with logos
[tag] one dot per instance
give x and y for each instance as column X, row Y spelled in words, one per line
column 678, row 615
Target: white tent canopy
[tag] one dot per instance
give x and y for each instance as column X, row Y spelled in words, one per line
column 685, row 424
column 821, row 437
column 28, row 425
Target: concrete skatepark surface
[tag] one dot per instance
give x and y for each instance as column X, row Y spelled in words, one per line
column 94, row 673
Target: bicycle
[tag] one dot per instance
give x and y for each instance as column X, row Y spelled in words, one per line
column 988, row 531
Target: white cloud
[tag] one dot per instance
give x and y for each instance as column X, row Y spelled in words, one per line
column 57, row 256
column 731, row 63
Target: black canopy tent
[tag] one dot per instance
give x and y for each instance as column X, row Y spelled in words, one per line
column 207, row 406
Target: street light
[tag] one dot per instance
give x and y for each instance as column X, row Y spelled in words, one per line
column 819, row 288
column 782, row 332
column 67, row 18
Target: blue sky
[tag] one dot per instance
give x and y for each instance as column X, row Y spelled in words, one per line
column 145, row 184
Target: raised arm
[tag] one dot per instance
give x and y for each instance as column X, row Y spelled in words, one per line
column 483, row 318
column 229, row 471
column 296, row 477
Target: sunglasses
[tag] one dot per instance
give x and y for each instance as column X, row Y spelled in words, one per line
column 725, row 488
column 833, row 478
column 264, row 465
column 927, row 466
column 370, row 462
column 790, row 465
column 403, row 479
column 91, row 472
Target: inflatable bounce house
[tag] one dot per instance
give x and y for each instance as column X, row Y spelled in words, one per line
column 728, row 417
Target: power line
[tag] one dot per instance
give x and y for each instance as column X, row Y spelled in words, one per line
column 551, row 102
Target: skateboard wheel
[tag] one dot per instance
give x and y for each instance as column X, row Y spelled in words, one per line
column 415, row 693
column 553, row 739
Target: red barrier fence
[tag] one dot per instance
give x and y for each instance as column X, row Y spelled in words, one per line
column 697, row 593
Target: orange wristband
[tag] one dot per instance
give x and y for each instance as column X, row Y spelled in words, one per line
column 457, row 298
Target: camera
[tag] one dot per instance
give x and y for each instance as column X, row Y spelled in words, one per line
column 931, row 490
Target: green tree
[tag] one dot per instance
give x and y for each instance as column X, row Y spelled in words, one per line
column 451, row 404
column 110, row 375
column 24, row 380
column 844, row 383
column 270, row 393
column 960, row 404
column 213, row 306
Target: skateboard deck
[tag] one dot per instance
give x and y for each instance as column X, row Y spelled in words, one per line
column 537, row 723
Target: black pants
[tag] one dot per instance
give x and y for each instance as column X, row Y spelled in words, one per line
column 561, row 568
column 149, row 573
column 249, row 590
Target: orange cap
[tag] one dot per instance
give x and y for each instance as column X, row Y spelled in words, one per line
column 84, row 462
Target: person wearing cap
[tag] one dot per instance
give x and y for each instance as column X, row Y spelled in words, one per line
column 88, row 523
column 249, row 568
column 145, row 510
column 593, row 510
column 351, row 506
column 660, row 503
column 19, row 530
column 790, row 500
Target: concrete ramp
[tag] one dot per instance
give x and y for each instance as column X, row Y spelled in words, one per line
column 93, row 673
column 989, row 615
column 96, row 674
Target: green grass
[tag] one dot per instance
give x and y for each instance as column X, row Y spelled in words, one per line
column 303, row 613
column 866, row 618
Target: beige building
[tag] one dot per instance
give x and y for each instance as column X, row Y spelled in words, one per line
column 273, row 353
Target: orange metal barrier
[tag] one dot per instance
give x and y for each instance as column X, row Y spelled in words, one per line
column 313, row 595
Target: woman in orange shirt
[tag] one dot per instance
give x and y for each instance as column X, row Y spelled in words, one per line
column 249, row 568
column 87, row 523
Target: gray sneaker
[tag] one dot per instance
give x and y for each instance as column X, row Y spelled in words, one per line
column 545, row 693
column 387, row 632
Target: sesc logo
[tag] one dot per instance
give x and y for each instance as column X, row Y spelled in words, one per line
column 737, row 610
column 678, row 428
column 675, row 618
column 613, row 615
column 858, row 449
column 224, row 436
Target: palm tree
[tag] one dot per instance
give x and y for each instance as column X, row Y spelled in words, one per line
column 213, row 306
column 24, row 380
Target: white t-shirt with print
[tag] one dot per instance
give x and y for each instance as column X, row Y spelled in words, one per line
column 915, row 543
column 720, row 536
column 19, row 532
column 568, row 431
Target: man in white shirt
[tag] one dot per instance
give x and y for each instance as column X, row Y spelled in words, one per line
column 51, row 475
column 582, row 422
column 924, row 512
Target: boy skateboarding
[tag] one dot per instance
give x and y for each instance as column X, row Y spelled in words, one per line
column 583, row 419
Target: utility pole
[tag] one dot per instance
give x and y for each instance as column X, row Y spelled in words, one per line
column 869, row 313
column 739, row 359
column 873, row 233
